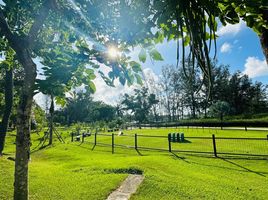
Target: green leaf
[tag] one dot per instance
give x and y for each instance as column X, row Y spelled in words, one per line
column 135, row 66
column 142, row 55
column 90, row 74
column 155, row 55
column 60, row 101
column 139, row 79
column 92, row 87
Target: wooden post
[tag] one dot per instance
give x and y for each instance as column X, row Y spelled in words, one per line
column 83, row 136
column 267, row 137
column 246, row 129
column 169, row 142
column 214, row 145
column 95, row 139
column 136, row 141
column 72, row 135
column 112, row 143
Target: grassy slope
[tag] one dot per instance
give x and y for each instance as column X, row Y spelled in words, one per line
column 73, row 171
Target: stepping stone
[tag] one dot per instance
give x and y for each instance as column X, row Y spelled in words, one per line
column 127, row 188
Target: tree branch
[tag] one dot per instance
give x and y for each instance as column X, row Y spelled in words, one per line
column 39, row 20
column 5, row 30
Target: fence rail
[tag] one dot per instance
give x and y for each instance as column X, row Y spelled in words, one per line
column 178, row 143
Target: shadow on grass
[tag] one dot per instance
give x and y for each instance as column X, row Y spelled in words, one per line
column 179, row 157
column 181, row 142
column 242, row 167
column 139, row 152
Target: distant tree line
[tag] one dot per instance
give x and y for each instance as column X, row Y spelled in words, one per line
column 81, row 108
column 179, row 93
column 183, row 92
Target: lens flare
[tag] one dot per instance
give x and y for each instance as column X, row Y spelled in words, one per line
column 113, row 52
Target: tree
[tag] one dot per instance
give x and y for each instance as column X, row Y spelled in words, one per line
column 139, row 104
column 56, row 84
column 8, row 93
column 219, row 109
column 27, row 25
column 166, row 79
column 219, row 91
column 191, row 82
column 81, row 108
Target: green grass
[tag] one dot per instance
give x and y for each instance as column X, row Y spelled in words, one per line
column 74, row 171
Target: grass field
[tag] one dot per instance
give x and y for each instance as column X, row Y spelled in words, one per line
column 74, row 171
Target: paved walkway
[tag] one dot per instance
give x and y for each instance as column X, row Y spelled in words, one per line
column 127, row 188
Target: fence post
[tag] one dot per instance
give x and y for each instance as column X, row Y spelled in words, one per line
column 95, row 139
column 267, row 137
column 214, row 145
column 136, row 141
column 83, row 136
column 246, row 129
column 169, row 142
column 112, row 143
column 72, row 135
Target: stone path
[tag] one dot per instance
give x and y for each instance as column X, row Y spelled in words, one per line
column 127, row 188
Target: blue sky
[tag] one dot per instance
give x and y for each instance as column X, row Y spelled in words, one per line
column 237, row 46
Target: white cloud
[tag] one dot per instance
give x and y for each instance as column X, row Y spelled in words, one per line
column 255, row 67
column 111, row 95
column 226, row 47
column 107, row 94
column 231, row 29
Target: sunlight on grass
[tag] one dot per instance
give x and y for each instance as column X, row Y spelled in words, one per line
column 73, row 171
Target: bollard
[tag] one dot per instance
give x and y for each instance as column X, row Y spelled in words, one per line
column 174, row 137
column 178, row 137
column 182, row 137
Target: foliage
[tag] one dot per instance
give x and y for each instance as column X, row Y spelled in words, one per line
column 219, row 109
column 82, row 108
column 184, row 94
column 39, row 116
column 140, row 103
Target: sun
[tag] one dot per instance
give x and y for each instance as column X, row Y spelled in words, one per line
column 113, row 52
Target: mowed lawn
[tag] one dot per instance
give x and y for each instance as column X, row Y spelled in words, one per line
column 74, row 171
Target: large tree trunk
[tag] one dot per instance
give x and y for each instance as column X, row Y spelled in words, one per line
column 23, row 141
column 8, row 107
column 264, row 37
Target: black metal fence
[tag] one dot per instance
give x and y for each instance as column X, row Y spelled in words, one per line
column 174, row 142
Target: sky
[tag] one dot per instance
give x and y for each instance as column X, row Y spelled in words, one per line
column 237, row 46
